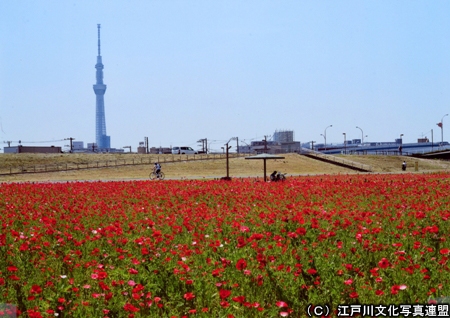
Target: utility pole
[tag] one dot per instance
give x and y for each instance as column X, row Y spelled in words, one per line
column 432, row 140
column 204, row 142
column 146, row 144
column 71, row 146
column 237, row 144
column 345, row 143
column 228, row 165
column 265, row 144
column 227, row 148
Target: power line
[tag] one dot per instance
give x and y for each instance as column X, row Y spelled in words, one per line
column 36, row 142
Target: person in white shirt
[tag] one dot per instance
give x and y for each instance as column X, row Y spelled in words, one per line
column 157, row 168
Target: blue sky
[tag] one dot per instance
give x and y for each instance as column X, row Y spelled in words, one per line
column 179, row 71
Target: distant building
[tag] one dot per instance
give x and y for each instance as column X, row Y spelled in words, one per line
column 92, row 146
column 268, row 146
column 283, row 136
column 293, row 146
column 283, row 142
column 77, row 145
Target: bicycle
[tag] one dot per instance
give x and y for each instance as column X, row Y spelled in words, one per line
column 278, row 177
column 154, row 175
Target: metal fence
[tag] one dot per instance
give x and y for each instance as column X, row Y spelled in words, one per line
column 144, row 160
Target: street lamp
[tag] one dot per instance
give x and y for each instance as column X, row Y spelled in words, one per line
column 400, row 148
column 325, row 135
column 441, row 124
column 345, row 143
column 362, row 134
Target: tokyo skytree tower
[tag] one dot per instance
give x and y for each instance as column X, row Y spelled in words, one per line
column 103, row 141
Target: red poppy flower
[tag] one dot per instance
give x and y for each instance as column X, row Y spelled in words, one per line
column 130, row 307
column 311, row 271
column 281, row 304
column 241, row 264
column 348, row 281
column 301, row 231
column 384, row 263
column 224, row 304
column 224, row 293
column 354, row 295
column 239, row 299
column 36, row 289
column 189, row 296
column 444, row 251
column 396, row 288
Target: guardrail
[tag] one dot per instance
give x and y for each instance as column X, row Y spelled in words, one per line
column 379, row 152
column 144, row 160
column 337, row 160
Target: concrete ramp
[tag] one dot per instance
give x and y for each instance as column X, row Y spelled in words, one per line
column 443, row 155
column 336, row 161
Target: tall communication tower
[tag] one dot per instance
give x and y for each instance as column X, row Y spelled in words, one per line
column 103, row 141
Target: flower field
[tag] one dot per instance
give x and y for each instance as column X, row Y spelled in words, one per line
column 223, row 249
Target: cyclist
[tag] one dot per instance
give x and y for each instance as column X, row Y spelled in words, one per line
column 157, row 169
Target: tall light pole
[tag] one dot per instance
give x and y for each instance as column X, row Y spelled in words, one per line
column 362, row 134
column 345, row 143
column 441, row 124
column 400, row 148
column 325, row 135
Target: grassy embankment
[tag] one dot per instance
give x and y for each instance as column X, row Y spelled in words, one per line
column 293, row 164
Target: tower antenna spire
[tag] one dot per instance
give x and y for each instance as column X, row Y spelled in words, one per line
column 98, row 27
